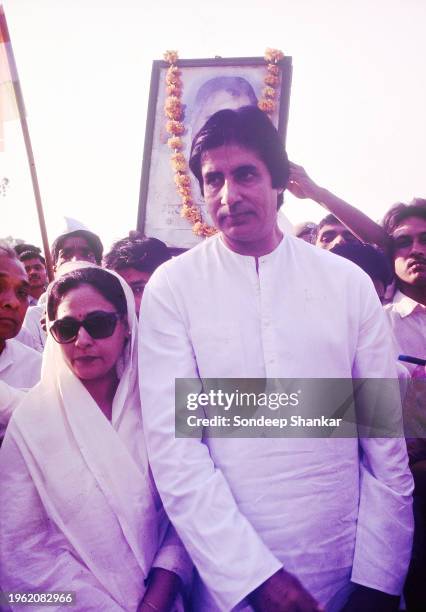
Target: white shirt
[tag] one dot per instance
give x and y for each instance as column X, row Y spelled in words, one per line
column 19, row 369
column 32, row 327
column 407, row 319
column 245, row 507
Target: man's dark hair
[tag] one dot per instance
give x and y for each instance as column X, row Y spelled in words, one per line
column 21, row 248
column 372, row 260
column 104, row 282
column 328, row 220
column 92, row 239
column 399, row 212
column 142, row 253
column 249, row 127
column 26, row 255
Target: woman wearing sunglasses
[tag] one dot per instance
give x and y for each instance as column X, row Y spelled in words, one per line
column 80, row 512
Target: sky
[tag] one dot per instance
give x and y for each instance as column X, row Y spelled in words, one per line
column 357, row 119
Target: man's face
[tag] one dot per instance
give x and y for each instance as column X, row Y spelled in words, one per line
column 36, row 273
column 137, row 281
column 14, row 291
column 240, row 198
column 409, row 244
column 75, row 248
column 332, row 234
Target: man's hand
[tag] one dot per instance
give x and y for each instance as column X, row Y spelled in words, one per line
column 282, row 592
column 301, row 185
column 162, row 590
column 370, row 600
column 419, row 372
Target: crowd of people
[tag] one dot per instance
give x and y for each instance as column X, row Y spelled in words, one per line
column 99, row 495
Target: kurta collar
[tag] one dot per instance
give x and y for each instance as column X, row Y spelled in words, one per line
column 250, row 260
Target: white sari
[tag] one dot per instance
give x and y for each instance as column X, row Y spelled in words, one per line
column 79, row 510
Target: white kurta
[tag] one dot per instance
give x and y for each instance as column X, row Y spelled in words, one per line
column 20, row 369
column 32, row 327
column 245, row 507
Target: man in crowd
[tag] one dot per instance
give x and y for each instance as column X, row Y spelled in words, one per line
column 331, row 232
column 35, row 267
column 406, row 225
column 19, row 364
column 76, row 243
column 135, row 258
column 280, row 524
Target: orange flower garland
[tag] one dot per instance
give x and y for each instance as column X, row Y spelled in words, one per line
column 272, row 80
column 173, row 110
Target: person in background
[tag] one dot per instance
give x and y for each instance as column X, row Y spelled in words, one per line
column 35, row 267
column 330, row 232
column 75, row 243
column 19, row 365
column 306, row 231
column 135, row 258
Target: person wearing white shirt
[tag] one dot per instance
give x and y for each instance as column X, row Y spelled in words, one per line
column 271, row 524
column 19, row 365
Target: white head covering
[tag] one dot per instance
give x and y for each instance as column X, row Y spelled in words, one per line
column 92, row 475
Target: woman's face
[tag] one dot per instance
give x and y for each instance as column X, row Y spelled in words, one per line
column 87, row 357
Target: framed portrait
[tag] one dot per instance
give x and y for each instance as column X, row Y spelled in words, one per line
column 208, row 85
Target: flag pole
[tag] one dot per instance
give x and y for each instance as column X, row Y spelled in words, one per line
column 4, row 31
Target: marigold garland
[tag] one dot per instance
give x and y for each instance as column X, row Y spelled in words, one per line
column 174, row 112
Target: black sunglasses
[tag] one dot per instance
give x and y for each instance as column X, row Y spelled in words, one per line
column 98, row 325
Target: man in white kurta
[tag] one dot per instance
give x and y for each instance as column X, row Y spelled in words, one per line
column 252, row 303
column 20, row 368
column 19, row 365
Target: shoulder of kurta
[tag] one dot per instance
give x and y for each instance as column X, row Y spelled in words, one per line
column 327, row 266
column 27, row 359
column 181, row 269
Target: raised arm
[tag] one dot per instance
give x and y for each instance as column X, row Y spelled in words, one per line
column 367, row 230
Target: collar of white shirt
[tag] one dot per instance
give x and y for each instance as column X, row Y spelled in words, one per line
column 405, row 306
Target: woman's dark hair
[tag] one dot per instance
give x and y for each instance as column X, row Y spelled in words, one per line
column 105, row 283
column 249, row 127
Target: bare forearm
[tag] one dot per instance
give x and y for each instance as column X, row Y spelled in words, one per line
column 302, row 186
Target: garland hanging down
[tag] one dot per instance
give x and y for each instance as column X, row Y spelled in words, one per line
column 175, row 126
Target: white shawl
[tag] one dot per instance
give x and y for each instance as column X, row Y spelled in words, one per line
column 79, row 509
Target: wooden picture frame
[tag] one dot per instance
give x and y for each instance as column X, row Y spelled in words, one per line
column 208, row 85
